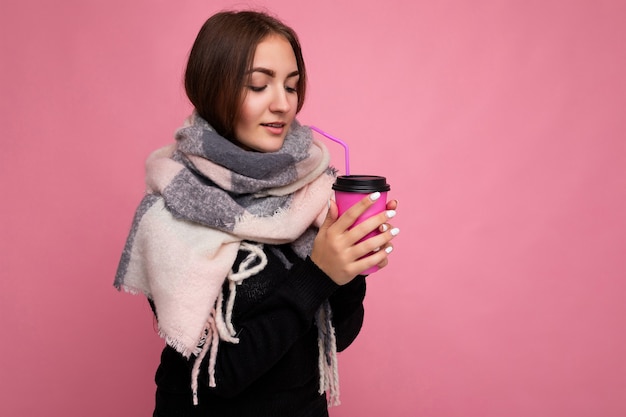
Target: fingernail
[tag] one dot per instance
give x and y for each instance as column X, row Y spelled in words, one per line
column 394, row 231
column 384, row 227
column 375, row 196
column 391, row 213
column 388, row 249
column 328, row 203
column 377, row 249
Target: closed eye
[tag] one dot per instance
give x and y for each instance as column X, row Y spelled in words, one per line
column 293, row 76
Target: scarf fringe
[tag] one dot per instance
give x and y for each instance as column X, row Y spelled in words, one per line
column 210, row 340
column 128, row 290
column 327, row 345
column 220, row 327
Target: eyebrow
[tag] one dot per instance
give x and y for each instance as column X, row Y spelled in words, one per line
column 272, row 73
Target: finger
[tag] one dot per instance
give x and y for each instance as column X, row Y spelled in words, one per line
column 371, row 224
column 392, row 205
column 378, row 258
column 376, row 243
column 347, row 219
column 385, row 227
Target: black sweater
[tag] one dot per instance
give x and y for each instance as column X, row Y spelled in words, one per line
column 273, row 370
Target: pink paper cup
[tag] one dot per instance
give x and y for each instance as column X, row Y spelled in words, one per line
column 350, row 189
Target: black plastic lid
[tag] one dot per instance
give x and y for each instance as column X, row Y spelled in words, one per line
column 361, row 184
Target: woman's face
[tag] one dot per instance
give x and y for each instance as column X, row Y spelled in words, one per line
column 270, row 97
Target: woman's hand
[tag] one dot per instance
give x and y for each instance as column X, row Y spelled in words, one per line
column 337, row 250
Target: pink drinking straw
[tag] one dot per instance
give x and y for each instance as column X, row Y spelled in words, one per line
column 339, row 141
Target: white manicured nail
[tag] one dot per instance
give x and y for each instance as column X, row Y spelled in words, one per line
column 388, row 249
column 375, row 196
column 391, row 213
column 384, row 227
column 394, row 231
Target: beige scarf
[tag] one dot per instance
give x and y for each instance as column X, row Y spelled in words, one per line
column 205, row 196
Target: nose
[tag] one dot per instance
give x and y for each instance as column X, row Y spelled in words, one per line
column 280, row 101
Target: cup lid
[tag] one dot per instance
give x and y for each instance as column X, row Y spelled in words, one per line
column 361, row 184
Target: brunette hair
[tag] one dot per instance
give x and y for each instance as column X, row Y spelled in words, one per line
column 220, row 58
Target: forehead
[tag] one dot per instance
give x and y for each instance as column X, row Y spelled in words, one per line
column 275, row 52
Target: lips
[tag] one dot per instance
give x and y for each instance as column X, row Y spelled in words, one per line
column 275, row 128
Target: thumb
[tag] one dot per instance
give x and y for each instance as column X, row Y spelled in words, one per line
column 331, row 215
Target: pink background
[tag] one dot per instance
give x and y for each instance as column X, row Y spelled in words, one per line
column 500, row 125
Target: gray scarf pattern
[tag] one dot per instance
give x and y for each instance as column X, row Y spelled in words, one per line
column 205, row 197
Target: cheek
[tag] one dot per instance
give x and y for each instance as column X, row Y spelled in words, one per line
column 246, row 117
column 293, row 106
column 251, row 110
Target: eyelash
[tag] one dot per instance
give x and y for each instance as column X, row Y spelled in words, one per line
column 259, row 89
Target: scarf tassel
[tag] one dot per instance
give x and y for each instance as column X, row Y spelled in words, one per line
column 327, row 345
column 219, row 326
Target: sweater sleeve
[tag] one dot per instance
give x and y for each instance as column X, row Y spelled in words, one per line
column 269, row 329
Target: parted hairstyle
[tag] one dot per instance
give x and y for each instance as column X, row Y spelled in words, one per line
column 220, row 59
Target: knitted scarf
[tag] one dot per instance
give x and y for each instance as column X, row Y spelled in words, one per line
column 207, row 199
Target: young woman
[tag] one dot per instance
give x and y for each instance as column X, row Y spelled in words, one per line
column 252, row 275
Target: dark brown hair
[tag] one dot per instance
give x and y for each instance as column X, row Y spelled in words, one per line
column 220, row 58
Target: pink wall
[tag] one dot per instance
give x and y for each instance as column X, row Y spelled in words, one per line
column 500, row 125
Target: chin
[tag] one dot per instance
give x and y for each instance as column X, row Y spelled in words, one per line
column 272, row 149
column 273, row 145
